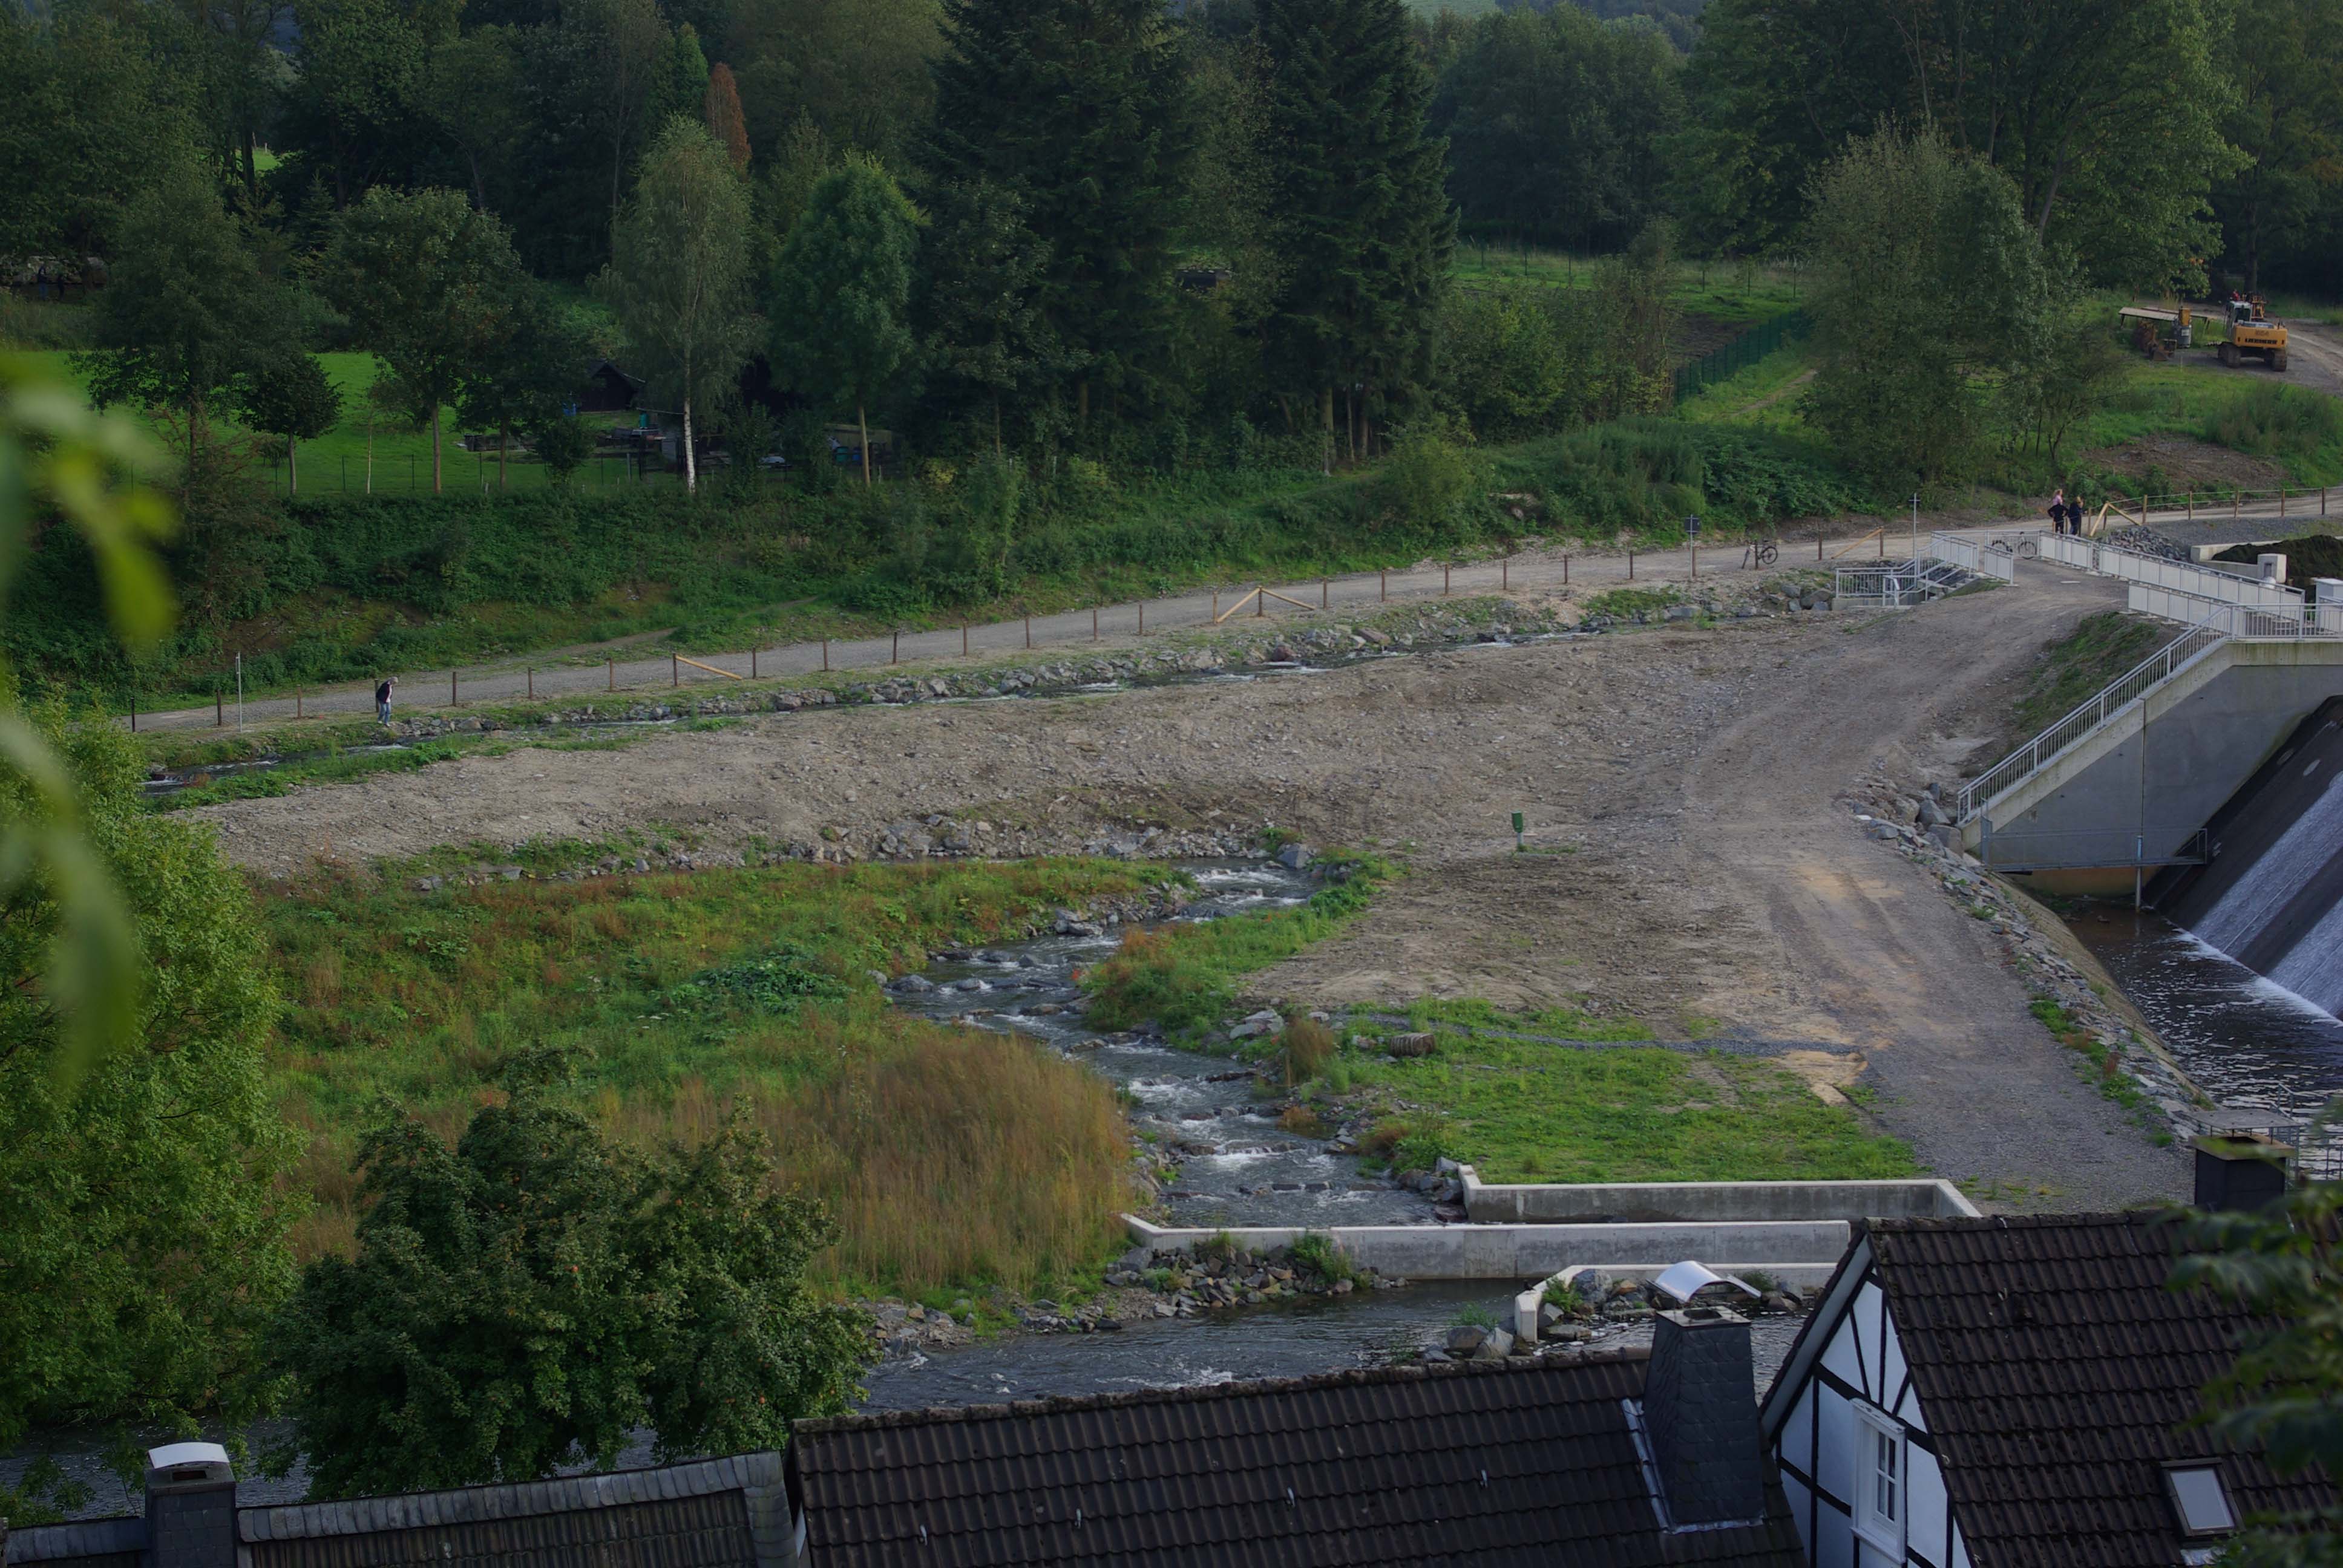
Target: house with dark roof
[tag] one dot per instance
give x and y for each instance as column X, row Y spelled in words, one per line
column 2013, row 1393
column 710, row 1513
column 1619, row 1460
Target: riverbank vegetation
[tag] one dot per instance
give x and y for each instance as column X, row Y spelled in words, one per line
column 946, row 1156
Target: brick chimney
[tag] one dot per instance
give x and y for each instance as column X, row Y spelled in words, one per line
column 190, row 1507
column 1700, row 1412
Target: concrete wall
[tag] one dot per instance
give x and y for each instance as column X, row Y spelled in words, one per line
column 1535, row 1252
column 2157, row 771
column 1695, row 1201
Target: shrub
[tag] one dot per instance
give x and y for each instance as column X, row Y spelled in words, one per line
column 1217, row 1248
column 1474, row 1315
column 1317, row 1255
column 1307, row 1048
column 2274, row 421
column 1567, row 1299
column 1429, row 477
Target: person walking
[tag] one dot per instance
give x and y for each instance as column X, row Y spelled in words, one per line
column 2058, row 510
column 382, row 699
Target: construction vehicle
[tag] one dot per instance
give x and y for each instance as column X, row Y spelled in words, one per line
column 2253, row 334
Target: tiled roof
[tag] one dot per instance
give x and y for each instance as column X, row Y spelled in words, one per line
column 697, row 1515
column 2056, row 1375
column 1490, row 1464
column 85, row 1544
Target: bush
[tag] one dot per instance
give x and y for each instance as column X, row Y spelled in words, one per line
column 1301, row 1121
column 1307, row 1047
column 1429, row 477
column 1317, row 1255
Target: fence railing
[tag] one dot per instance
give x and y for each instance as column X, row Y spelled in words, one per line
column 1724, row 363
column 2288, row 622
column 1985, row 560
column 2127, row 689
column 2160, row 571
column 2213, row 506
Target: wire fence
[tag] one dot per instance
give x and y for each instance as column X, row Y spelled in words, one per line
column 1722, row 363
column 478, row 472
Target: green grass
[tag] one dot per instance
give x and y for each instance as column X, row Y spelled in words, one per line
column 1559, row 1023
column 1184, row 977
column 951, row 1156
column 2106, row 1067
column 2228, row 410
column 1625, row 603
column 1718, row 291
column 1727, row 402
column 2079, row 664
column 1519, row 1110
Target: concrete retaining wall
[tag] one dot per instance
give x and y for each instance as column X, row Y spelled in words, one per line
column 1648, row 1202
column 2160, row 769
column 1535, row 1252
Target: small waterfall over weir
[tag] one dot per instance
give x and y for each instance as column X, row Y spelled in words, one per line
column 2271, row 897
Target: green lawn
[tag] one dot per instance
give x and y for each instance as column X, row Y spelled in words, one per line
column 1723, row 291
column 1523, row 1112
column 401, row 457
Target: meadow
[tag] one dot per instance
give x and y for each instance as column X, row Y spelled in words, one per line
column 951, row 1157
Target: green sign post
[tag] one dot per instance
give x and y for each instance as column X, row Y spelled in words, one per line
column 1517, row 832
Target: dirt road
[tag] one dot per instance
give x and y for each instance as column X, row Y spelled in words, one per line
column 1693, row 863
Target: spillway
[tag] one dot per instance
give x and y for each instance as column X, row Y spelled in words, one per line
column 2271, row 895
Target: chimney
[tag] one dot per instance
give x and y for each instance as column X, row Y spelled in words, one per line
column 190, row 1507
column 2238, row 1172
column 1700, row 1411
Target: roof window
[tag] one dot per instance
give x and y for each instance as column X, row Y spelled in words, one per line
column 2200, row 1500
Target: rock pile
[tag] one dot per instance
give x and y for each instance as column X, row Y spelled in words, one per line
column 1181, row 1284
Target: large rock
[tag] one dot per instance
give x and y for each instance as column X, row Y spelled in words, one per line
column 1495, row 1347
column 1294, row 857
column 1260, row 1023
column 1466, row 1339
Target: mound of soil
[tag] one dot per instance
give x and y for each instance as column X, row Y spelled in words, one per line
column 2187, row 464
column 2312, row 555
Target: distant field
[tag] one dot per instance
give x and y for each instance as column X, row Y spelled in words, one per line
column 1723, row 291
column 1453, row 7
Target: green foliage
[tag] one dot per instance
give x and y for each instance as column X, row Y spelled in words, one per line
column 1555, row 125
column 1929, row 275
column 777, row 984
column 1566, row 1300
column 87, row 118
column 1184, row 977
column 841, row 292
column 1077, row 106
column 432, row 286
column 678, row 273
column 1431, row 476
column 2284, row 1393
column 1306, row 1047
column 1365, row 225
column 535, row 1295
column 143, row 1241
column 1645, row 476
column 2273, row 421
column 1319, row 1256
column 978, row 304
column 2076, row 667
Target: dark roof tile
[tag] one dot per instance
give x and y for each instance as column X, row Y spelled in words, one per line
column 2057, row 1374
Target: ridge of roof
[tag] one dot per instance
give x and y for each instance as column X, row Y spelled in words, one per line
column 1357, row 1377
column 509, row 1500
column 1919, row 1223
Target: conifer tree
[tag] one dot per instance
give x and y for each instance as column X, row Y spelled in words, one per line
column 1077, row 106
column 1366, row 224
column 725, row 121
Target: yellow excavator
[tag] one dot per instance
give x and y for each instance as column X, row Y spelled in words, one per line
column 2252, row 334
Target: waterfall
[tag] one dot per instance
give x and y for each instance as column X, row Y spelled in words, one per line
column 2272, row 898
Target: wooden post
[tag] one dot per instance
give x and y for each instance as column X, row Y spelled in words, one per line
column 2234, row 502
column 1142, row 617
column 2281, row 500
column 452, row 698
column 610, row 666
column 1216, row 605
column 752, row 662
column 219, row 708
column 895, row 648
column 1325, row 587
column 675, row 670
column 1631, row 566
column 1505, row 573
column 2192, row 505
column 963, row 640
column 825, row 656
column 1566, row 568
column 1444, row 570
column 1029, row 628
column 1695, row 563
column 134, row 696
column 1383, row 592
column 1259, row 602
column 532, row 683
column 1818, row 541
column 1094, row 635
column 296, row 702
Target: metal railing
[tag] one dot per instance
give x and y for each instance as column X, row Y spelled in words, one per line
column 2317, row 1148
column 1995, row 560
column 2118, row 694
column 2158, row 571
column 1899, row 586
column 2289, row 622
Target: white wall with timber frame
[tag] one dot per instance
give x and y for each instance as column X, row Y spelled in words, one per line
column 1852, row 1444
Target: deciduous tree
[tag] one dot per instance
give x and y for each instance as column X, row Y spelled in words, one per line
column 287, row 394
column 429, row 285
column 722, row 114
column 534, row 1296
column 841, row 292
column 679, row 278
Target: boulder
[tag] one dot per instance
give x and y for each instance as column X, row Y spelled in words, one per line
column 915, row 983
column 1294, row 857
column 1466, row 1339
column 1257, row 1024
column 1495, row 1347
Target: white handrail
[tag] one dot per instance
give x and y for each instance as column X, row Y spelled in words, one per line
column 2130, row 687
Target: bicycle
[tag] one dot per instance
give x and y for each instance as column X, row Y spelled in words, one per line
column 1762, row 553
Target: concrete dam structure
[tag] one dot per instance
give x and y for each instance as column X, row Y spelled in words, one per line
column 2270, row 893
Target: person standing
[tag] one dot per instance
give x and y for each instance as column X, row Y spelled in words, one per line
column 2058, row 510
column 382, row 699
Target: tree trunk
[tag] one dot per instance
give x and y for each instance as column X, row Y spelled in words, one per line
column 1326, row 422
column 503, row 440
column 996, row 424
column 435, row 448
column 292, row 467
column 863, row 424
column 369, row 469
column 1083, row 402
column 691, row 468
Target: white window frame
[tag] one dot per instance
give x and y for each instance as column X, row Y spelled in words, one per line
column 1873, row 1428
